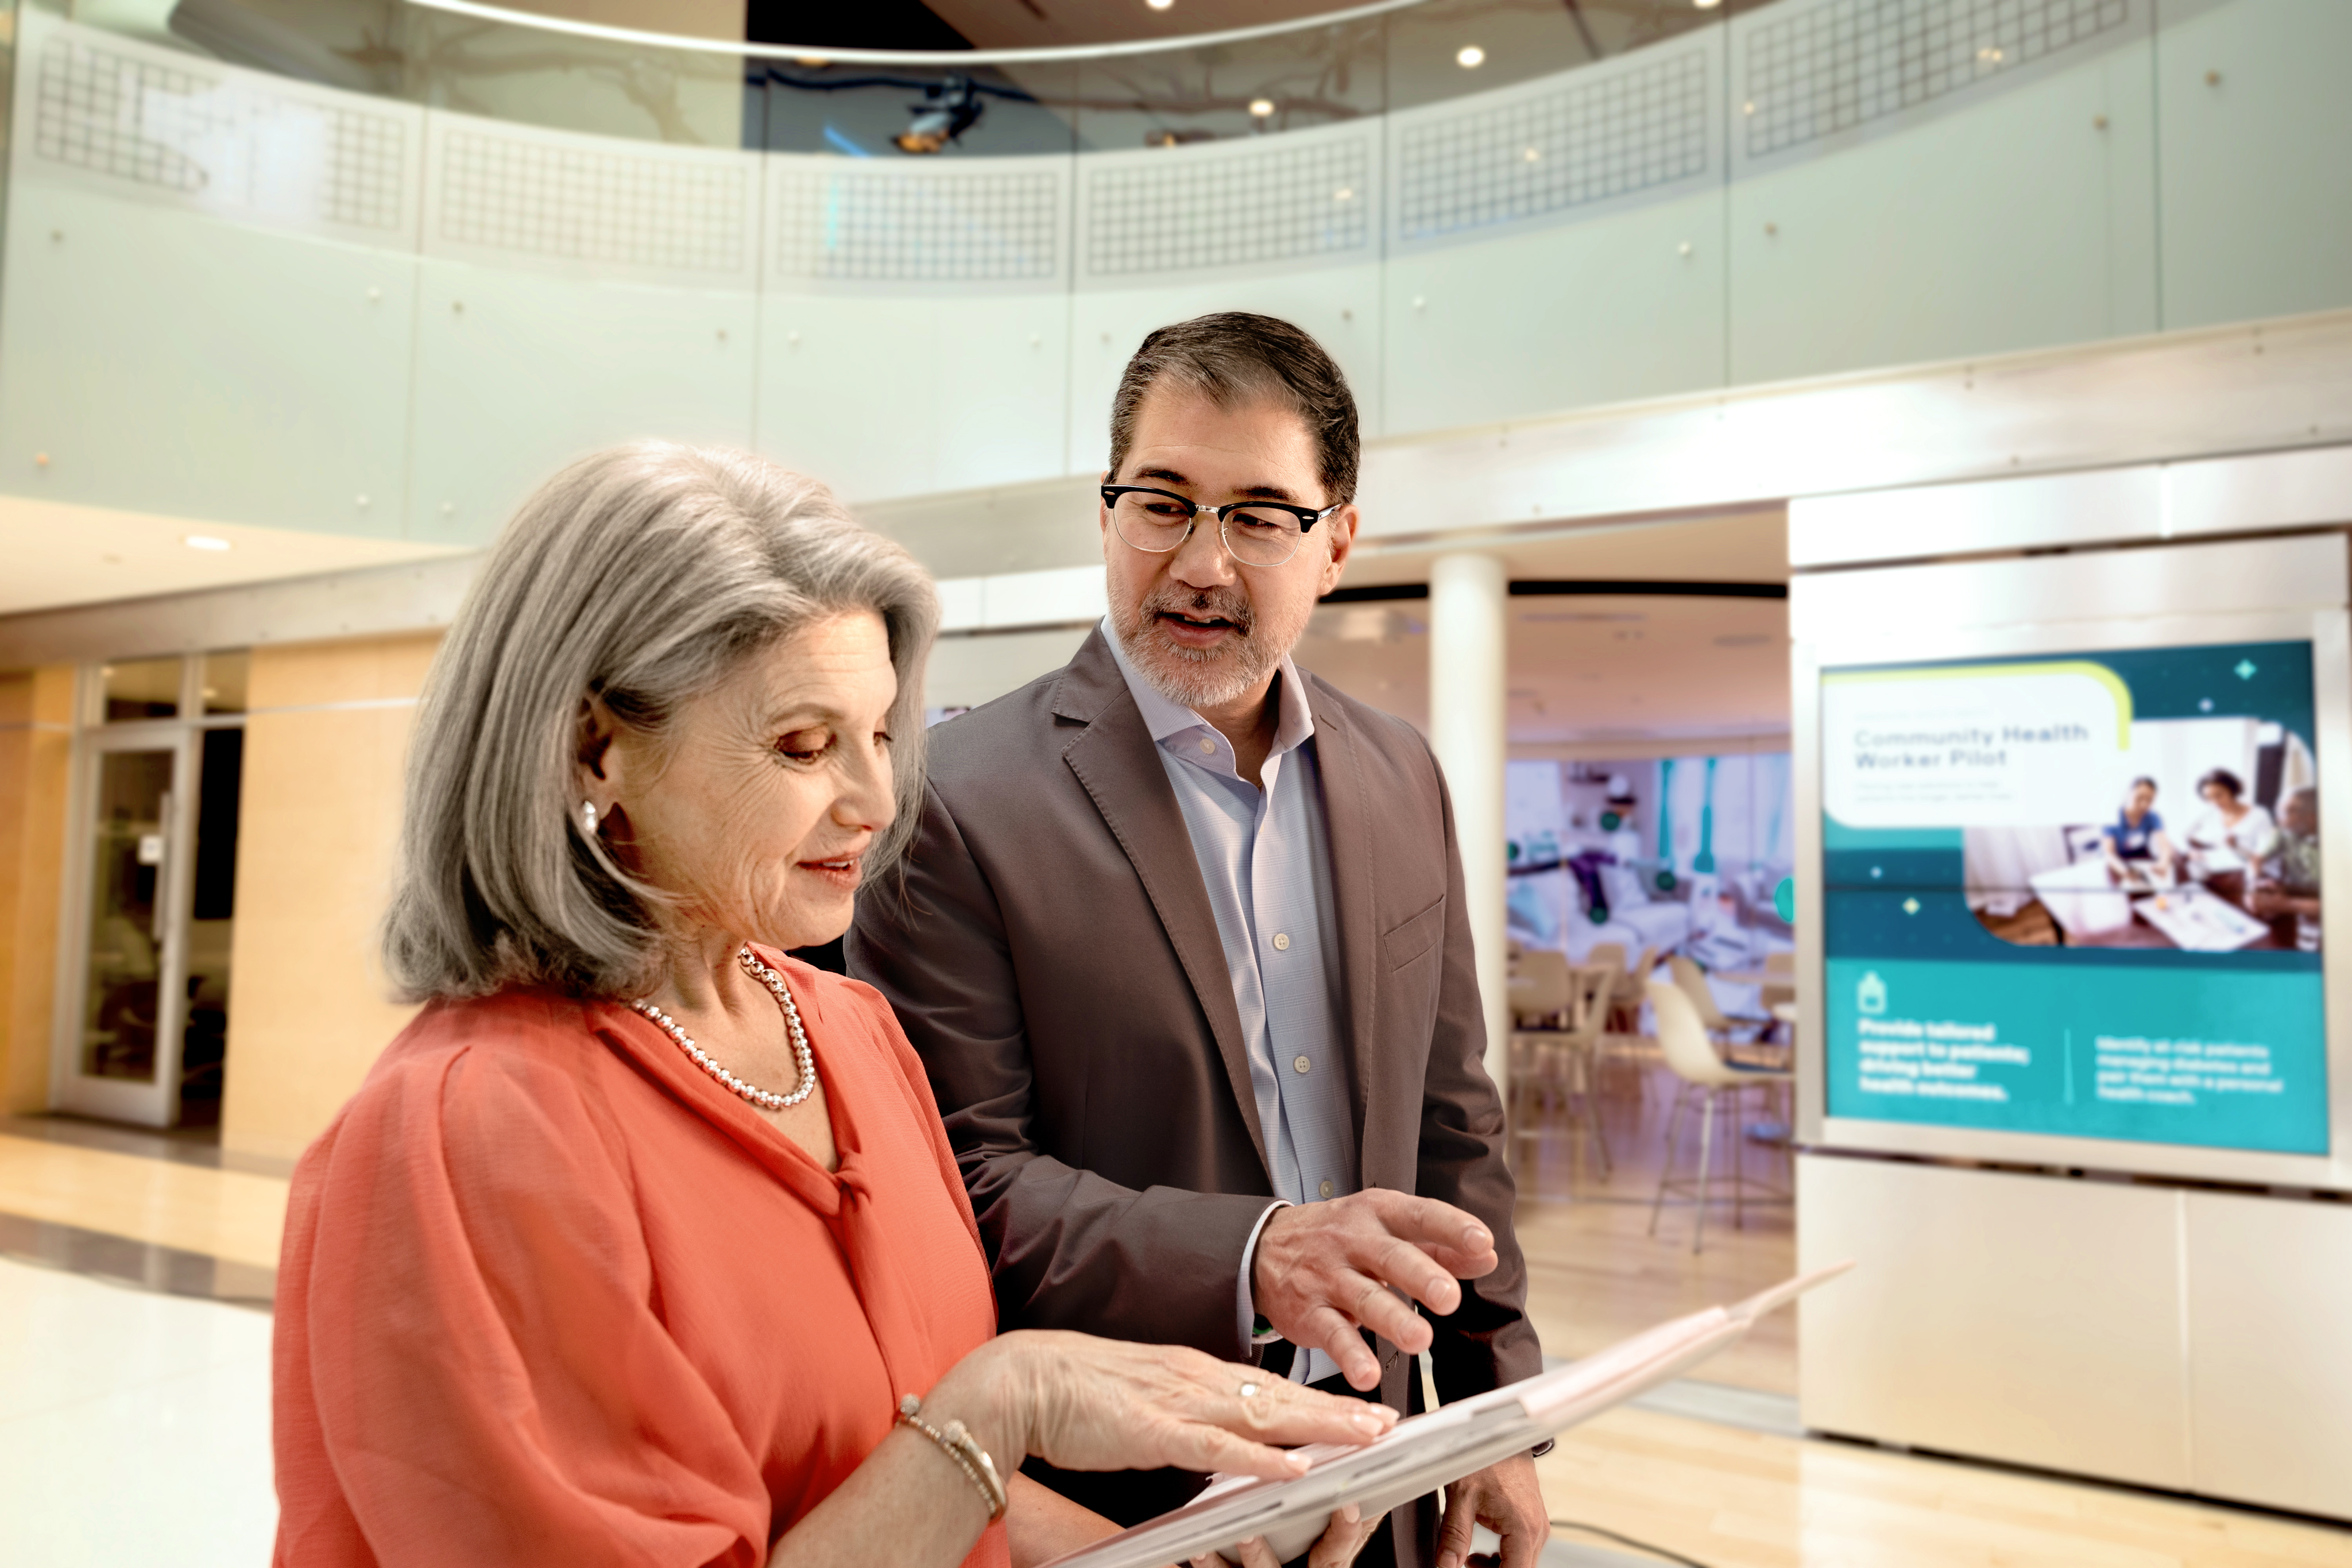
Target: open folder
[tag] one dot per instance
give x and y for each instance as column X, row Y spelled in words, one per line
column 1428, row 1451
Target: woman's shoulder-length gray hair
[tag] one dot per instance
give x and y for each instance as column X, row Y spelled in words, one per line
column 640, row 575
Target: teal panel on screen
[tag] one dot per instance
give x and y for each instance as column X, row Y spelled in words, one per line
column 1996, row 960
column 2228, row 1059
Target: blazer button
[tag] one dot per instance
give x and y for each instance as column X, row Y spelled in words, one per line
column 1282, row 941
column 1299, row 1064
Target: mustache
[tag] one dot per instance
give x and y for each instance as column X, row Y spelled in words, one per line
column 1202, row 604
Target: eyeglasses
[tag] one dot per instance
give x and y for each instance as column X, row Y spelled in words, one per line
column 1255, row 533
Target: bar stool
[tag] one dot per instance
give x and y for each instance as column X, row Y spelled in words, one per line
column 1714, row 1087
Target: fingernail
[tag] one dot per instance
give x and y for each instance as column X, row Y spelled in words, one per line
column 1391, row 1411
column 1352, row 1513
column 1476, row 1237
column 1368, row 1423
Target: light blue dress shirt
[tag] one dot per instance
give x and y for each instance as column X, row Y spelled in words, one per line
column 1265, row 857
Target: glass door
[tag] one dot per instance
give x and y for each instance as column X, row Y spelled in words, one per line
column 130, row 1007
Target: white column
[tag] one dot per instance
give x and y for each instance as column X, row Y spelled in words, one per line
column 1468, row 600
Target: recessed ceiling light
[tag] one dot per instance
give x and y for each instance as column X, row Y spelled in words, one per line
column 1470, row 57
column 1260, row 108
column 1159, row 5
column 204, row 541
column 1706, row 4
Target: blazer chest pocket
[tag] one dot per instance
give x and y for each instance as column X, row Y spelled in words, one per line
column 1412, row 938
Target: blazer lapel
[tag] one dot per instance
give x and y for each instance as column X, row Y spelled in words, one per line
column 1347, row 818
column 1119, row 765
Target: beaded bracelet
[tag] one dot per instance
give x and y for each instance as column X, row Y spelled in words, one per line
column 955, row 1441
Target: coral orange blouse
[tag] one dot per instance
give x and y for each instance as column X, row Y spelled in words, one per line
column 550, row 1295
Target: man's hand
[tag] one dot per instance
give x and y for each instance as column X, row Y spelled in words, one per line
column 1506, row 1499
column 1325, row 1270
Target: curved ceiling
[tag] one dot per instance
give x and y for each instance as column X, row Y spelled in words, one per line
column 942, row 23
column 1029, row 24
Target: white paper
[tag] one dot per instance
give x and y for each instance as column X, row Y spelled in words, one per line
column 2200, row 922
column 1428, row 1451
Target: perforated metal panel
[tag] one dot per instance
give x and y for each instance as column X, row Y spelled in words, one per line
column 1612, row 134
column 1183, row 209
column 141, row 117
column 834, row 220
column 579, row 201
column 1820, row 69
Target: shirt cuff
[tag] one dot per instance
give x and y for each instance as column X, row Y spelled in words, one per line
column 1253, row 1331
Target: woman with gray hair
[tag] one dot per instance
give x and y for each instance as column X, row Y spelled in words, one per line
column 642, row 1243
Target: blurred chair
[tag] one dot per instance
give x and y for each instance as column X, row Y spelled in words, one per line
column 1715, row 1087
column 1622, row 1040
column 1691, row 981
column 1628, row 997
column 1780, row 990
column 1558, row 1013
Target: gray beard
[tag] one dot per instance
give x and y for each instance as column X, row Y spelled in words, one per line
column 1193, row 678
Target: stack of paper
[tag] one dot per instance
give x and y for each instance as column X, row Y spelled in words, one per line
column 2201, row 922
column 1428, row 1451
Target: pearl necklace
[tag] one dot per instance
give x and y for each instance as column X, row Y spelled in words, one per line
column 702, row 1058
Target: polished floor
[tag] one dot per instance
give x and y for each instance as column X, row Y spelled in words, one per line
column 1595, row 1272
column 134, row 1426
column 134, row 1385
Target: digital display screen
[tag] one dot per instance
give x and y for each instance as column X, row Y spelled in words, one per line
column 2077, row 895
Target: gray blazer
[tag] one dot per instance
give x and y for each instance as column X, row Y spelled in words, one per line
column 1050, row 952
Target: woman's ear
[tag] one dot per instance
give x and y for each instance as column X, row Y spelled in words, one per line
column 600, row 761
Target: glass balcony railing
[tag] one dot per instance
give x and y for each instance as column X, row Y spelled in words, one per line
column 518, row 65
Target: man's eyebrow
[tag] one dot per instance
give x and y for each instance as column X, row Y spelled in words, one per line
column 1253, row 492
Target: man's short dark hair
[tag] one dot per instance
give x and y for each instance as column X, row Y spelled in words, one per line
column 1234, row 357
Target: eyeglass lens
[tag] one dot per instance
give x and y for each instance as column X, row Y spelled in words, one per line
column 1256, row 536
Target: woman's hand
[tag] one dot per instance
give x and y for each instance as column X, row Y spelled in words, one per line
column 1345, row 1536
column 1106, row 1405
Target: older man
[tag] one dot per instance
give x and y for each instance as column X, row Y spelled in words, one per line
column 1182, row 945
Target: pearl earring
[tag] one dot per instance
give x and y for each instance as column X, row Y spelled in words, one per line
column 588, row 818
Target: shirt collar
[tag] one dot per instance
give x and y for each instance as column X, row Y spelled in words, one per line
column 1294, row 725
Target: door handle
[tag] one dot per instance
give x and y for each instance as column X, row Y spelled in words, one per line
column 159, row 921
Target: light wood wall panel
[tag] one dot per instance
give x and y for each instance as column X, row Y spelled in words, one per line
column 36, row 759
column 309, row 1005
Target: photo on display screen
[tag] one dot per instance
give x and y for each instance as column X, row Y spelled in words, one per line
column 2078, row 895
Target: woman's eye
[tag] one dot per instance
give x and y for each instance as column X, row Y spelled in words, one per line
column 803, row 745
